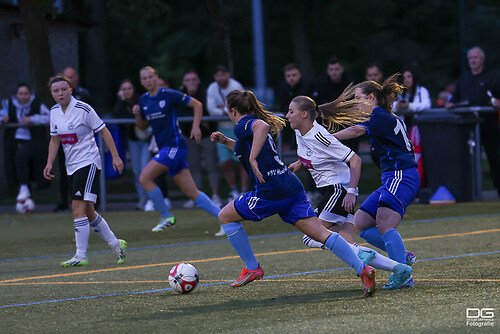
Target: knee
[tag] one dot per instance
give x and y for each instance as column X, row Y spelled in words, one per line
column 144, row 178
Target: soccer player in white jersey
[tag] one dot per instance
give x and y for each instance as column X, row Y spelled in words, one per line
column 325, row 157
column 73, row 124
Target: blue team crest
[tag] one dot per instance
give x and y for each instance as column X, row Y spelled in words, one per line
column 162, row 103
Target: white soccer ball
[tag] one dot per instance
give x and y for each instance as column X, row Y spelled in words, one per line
column 183, row 278
column 25, row 206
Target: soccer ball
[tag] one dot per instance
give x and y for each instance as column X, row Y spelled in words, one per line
column 183, row 278
column 25, row 206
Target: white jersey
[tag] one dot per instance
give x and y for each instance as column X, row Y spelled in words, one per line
column 324, row 156
column 76, row 127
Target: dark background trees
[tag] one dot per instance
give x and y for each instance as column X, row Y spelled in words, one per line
column 175, row 36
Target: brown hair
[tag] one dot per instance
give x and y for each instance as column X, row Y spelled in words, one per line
column 58, row 77
column 245, row 102
column 305, row 103
column 386, row 93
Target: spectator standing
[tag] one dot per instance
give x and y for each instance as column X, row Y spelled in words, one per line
column 292, row 85
column 192, row 86
column 472, row 88
column 23, row 145
column 216, row 105
column 374, row 73
column 137, row 139
column 331, row 87
column 414, row 97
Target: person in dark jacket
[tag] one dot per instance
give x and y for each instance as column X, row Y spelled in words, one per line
column 23, row 145
column 480, row 86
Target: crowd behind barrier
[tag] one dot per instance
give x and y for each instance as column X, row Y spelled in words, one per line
column 474, row 146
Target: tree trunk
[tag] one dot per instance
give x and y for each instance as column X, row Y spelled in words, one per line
column 37, row 40
column 220, row 48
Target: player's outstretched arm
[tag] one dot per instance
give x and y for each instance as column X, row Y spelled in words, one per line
column 139, row 121
column 108, row 139
column 53, row 148
column 198, row 113
column 349, row 201
column 295, row 166
column 354, row 131
column 220, row 138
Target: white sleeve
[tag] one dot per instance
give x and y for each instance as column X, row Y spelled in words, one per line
column 94, row 121
column 213, row 100
column 424, row 102
column 333, row 147
column 43, row 117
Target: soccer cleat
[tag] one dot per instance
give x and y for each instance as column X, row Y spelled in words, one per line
column 24, row 194
column 120, row 251
column 75, row 262
column 163, row 224
column 366, row 255
column 217, row 200
column 368, row 278
column 220, row 233
column 149, row 206
column 410, row 258
column 409, row 283
column 247, row 276
column 401, row 274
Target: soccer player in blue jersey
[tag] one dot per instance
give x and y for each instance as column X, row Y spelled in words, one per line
column 276, row 190
column 158, row 108
column 381, row 212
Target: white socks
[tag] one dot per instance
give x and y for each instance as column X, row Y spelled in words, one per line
column 82, row 232
column 101, row 227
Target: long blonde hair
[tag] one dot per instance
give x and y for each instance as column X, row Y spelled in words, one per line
column 344, row 111
column 245, row 102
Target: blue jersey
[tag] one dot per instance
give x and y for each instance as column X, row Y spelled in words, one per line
column 280, row 182
column 161, row 112
column 389, row 140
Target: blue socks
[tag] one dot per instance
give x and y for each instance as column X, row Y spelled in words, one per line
column 204, row 202
column 239, row 239
column 157, row 197
column 343, row 250
column 395, row 246
column 373, row 237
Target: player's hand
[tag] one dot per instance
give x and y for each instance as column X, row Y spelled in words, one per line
column 496, row 103
column 47, row 172
column 5, row 119
column 118, row 164
column 295, row 166
column 349, row 202
column 256, row 171
column 136, row 110
column 218, row 137
column 196, row 134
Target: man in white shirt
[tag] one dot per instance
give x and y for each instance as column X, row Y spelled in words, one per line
column 216, row 105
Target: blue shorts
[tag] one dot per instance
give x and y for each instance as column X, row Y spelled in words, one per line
column 398, row 190
column 223, row 152
column 174, row 158
column 250, row 207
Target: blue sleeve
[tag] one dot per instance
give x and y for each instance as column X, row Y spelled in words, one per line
column 178, row 97
column 373, row 125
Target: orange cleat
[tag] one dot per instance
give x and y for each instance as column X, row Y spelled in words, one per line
column 368, row 278
column 247, row 276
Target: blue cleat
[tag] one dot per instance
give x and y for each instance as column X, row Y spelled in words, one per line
column 400, row 277
column 366, row 255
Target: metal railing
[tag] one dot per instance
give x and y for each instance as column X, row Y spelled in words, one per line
column 474, row 142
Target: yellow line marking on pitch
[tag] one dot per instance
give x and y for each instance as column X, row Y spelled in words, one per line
column 266, row 280
column 227, row 258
